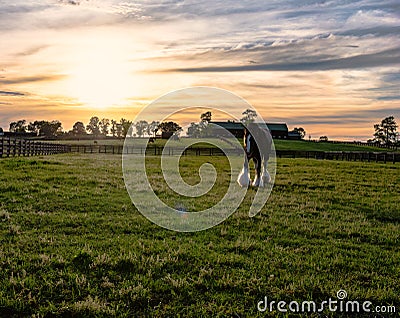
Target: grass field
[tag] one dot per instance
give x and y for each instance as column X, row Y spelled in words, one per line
column 279, row 144
column 73, row 244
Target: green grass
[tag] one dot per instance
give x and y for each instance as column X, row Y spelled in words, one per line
column 73, row 244
column 321, row 146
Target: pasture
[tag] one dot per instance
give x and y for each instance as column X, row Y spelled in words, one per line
column 297, row 145
column 72, row 243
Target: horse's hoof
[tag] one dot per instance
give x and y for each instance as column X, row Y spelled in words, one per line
column 256, row 182
column 243, row 179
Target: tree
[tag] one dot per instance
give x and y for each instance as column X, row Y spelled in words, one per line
column 50, row 129
column 249, row 116
column 194, row 130
column 385, row 132
column 301, row 131
column 78, row 129
column 323, row 138
column 153, row 128
column 103, row 125
column 118, row 130
column 177, row 133
column 94, row 126
column 34, row 127
column 141, row 127
column 126, row 124
column 169, row 126
column 18, row 126
column 206, row 117
column 113, row 129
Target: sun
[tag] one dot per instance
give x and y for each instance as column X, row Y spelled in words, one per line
column 100, row 76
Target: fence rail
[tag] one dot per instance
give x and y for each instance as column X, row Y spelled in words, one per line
column 156, row 151
column 12, row 147
column 367, row 156
column 358, row 143
column 153, row 150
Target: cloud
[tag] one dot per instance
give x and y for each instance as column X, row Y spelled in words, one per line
column 353, row 115
column 377, row 31
column 7, row 93
column 383, row 58
column 30, row 79
column 32, row 50
column 371, row 18
column 388, row 86
column 70, row 2
column 389, row 97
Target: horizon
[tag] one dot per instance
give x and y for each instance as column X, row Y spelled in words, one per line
column 329, row 67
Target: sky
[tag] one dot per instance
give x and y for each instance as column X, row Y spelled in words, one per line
column 331, row 67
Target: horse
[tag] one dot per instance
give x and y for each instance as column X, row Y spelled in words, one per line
column 260, row 158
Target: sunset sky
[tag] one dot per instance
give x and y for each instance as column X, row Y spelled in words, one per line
column 331, row 67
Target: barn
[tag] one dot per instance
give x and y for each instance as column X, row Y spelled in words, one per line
column 235, row 128
column 277, row 130
column 294, row 135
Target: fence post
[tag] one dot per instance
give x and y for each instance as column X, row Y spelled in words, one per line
column 14, row 147
column 24, row 147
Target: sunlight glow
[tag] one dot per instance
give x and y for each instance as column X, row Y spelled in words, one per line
column 100, row 76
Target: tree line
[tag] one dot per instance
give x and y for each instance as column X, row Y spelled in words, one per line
column 96, row 127
column 385, row 131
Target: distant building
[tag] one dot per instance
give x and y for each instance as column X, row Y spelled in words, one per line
column 277, row 130
column 235, row 128
column 294, row 135
column 1, row 132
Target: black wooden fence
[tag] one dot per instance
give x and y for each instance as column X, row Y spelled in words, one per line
column 11, row 147
column 358, row 143
column 152, row 150
column 195, row 151
column 367, row 156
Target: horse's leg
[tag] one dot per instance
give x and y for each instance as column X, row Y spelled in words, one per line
column 265, row 176
column 244, row 176
column 257, row 164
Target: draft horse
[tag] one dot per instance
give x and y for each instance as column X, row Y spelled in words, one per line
column 259, row 156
